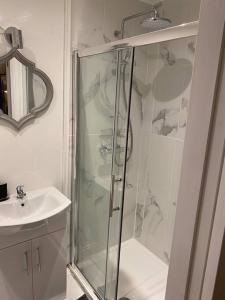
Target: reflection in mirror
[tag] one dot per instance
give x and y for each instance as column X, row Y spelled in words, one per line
column 4, row 109
column 174, row 78
column 24, row 90
column 18, row 95
column 39, row 90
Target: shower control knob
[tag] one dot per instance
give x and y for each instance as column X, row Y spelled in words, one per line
column 118, row 179
column 116, row 208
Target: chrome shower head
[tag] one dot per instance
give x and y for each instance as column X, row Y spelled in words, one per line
column 156, row 22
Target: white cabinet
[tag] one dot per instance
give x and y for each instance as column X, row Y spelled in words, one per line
column 49, row 267
column 16, row 272
column 34, row 270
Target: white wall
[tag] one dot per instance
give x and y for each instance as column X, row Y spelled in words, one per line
column 33, row 156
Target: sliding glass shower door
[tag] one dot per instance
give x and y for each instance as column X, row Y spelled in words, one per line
column 102, row 135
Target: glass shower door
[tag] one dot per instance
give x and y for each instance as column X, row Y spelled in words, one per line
column 121, row 151
column 102, row 126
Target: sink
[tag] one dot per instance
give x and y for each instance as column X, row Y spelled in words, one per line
column 39, row 205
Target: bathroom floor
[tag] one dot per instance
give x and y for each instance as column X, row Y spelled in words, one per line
column 73, row 289
column 143, row 276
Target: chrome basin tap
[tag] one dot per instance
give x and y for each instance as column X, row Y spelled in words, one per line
column 20, row 192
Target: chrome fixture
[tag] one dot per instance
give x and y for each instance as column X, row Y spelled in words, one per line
column 111, row 205
column 108, row 149
column 20, row 193
column 154, row 22
column 105, row 149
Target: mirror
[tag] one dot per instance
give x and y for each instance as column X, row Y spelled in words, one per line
column 174, row 78
column 25, row 91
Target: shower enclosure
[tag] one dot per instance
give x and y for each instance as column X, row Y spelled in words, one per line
column 131, row 114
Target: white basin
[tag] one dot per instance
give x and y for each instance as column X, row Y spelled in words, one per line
column 39, row 205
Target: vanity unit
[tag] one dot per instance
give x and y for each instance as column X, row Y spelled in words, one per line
column 33, row 233
column 33, row 246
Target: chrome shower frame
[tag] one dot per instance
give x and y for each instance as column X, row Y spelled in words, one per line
column 171, row 33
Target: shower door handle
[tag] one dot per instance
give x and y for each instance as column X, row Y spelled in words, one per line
column 111, row 204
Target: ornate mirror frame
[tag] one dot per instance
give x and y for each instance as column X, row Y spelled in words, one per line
column 34, row 112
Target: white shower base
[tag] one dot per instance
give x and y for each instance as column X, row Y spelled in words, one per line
column 143, row 275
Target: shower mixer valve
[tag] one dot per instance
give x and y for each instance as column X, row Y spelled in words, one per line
column 107, row 149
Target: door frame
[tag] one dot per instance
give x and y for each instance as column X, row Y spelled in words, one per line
column 216, row 170
column 200, row 177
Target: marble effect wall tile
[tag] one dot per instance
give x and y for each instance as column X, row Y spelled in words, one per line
column 170, row 114
column 165, row 122
column 139, row 221
column 154, row 199
column 161, row 136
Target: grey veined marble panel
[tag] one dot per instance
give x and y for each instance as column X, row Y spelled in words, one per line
column 160, row 118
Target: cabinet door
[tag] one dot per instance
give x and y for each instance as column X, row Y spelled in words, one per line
column 16, row 272
column 49, row 267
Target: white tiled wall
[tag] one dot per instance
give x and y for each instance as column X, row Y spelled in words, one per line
column 161, row 138
column 33, row 156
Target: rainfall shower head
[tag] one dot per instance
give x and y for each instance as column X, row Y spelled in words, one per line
column 153, row 22
column 156, row 22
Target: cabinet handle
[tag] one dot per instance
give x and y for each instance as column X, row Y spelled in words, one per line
column 38, row 259
column 26, row 262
